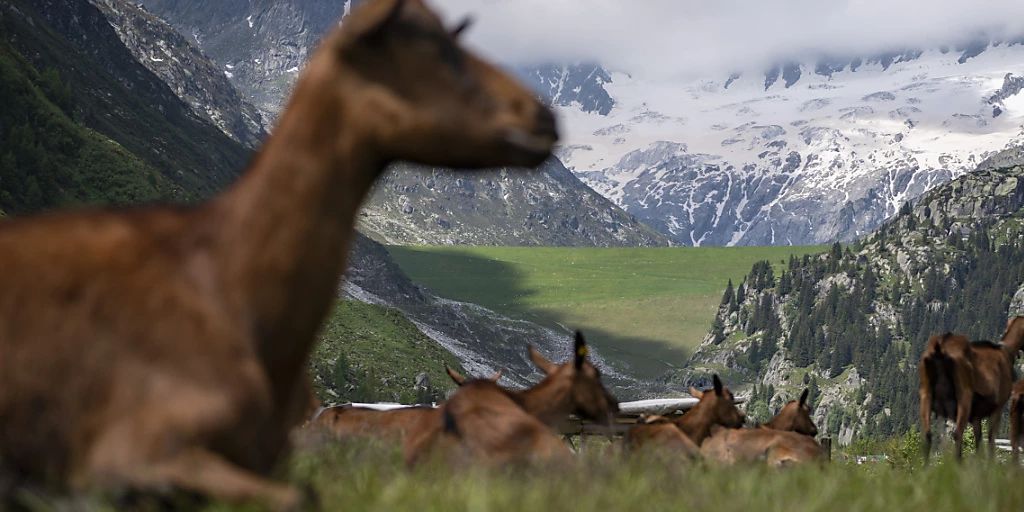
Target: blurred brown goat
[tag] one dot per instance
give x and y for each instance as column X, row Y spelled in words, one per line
column 967, row 382
column 166, row 347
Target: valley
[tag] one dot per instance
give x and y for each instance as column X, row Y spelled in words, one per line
column 645, row 309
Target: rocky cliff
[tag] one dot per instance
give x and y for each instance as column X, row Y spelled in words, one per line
column 180, row 64
column 549, row 206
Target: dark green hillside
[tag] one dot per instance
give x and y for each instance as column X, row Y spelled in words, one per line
column 100, row 86
column 47, row 160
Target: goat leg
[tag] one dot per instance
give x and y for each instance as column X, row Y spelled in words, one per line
column 976, row 427
column 201, row 471
column 926, row 420
column 962, row 414
column 1015, row 420
column 993, row 426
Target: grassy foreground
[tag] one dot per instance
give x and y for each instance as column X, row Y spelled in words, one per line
column 646, row 307
column 361, row 477
column 372, row 477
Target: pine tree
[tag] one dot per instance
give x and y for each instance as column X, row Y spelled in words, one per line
column 717, row 331
column 729, row 297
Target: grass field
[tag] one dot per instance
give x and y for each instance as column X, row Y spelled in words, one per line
column 645, row 307
column 372, row 478
column 659, row 484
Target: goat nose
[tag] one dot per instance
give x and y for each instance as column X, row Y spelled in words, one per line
column 545, row 121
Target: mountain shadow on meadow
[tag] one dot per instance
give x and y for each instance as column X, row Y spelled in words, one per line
column 462, row 275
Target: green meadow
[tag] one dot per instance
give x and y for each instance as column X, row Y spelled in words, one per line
column 371, row 476
column 643, row 307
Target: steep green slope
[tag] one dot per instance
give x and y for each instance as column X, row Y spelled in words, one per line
column 853, row 322
column 104, row 88
column 370, row 353
column 48, row 160
column 644, row 308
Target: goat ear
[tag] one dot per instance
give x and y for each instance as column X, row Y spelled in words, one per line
column 459, row 29
column 456, row 377
column 718, row 384
column 696, row 393
column 540, row 361
column 496, row 377
column 580, row 349
column 381, row 25
column 803, row 397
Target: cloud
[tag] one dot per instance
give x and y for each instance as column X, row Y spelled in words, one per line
column 701, row 36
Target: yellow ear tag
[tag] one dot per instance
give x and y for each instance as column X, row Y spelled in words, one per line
column 583, row 351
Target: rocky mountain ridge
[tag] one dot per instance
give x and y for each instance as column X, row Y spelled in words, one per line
column 194, row 79
column 412, row 205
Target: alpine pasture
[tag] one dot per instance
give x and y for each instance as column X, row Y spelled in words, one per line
column 644, row 307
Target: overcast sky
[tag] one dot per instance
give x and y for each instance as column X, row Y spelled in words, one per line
column 700, row 36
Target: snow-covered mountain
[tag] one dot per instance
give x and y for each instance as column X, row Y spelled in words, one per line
column 579, row 86
column 803, row 153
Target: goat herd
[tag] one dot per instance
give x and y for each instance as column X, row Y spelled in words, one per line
column 484, row 422
column 960, row 380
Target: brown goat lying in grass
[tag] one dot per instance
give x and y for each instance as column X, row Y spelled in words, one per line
column 660, row 433
column 787, row 438
column 482, row 424
column 347, row 421
column 564, row 390
column 484, row 421
column 716, row 407
column 795, row 416
column 776, row 447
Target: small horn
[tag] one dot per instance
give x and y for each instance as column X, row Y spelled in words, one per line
column 456, row 377
column 461, row 27
column 497, row 376
column 580, row 349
